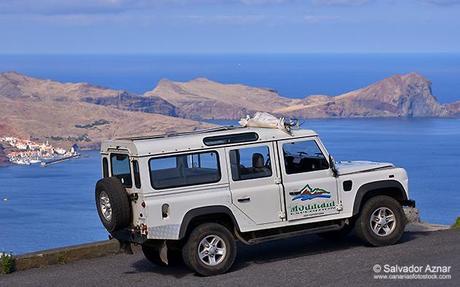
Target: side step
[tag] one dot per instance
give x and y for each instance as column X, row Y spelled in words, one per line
column 283, row 235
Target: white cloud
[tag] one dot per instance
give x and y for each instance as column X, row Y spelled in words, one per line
column 51, row 7
column 340, row 2
column 442, row 2
column 313, row 19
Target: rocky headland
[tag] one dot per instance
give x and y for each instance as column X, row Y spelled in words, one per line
column 397, row 96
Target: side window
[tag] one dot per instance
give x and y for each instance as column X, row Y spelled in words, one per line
column 184, row 170
column 136, row 173
column 121, row 168
column 303, row 156
column 250, row 163
column 105, row 167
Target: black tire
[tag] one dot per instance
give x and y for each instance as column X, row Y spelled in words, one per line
column 363, row 227
column 119, row 203
column 337, row 234
column 190, row 250
column 152, row 253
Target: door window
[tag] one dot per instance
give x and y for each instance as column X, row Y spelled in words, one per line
column 250, row 163
column 303, row 156
column 121, row 168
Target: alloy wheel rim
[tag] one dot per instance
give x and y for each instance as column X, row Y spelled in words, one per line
column 212, row 250
column 382, row 221
column 106, row 207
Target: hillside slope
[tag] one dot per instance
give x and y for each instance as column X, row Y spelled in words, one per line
column 62, row 114
column 204, row 99
column 397, row 96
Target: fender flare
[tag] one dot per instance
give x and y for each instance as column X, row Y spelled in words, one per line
column 378, row 185
column 207, row 210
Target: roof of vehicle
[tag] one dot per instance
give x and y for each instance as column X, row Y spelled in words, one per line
column 188, row 141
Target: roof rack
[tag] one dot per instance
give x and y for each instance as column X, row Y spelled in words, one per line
column 175, row 134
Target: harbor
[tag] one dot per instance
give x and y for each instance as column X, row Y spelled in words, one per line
column 28, row 152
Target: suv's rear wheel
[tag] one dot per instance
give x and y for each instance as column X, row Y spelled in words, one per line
column 210, row 249
column 381, row 221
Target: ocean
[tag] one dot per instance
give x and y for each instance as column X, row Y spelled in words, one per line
column 54, row 206
column 50, row 207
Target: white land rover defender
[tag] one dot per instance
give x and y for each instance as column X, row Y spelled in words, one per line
column 193, row 195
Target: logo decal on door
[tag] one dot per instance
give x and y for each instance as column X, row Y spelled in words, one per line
column 308, row 193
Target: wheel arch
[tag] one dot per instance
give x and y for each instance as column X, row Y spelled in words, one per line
column 391, row 188
column 217, row 213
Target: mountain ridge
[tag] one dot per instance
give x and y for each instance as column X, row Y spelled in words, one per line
column 65, row 113
column 407, row 95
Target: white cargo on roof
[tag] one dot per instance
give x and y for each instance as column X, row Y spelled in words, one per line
column 170, row 143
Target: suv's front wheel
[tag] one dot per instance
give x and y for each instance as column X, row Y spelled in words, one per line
column 381, row 221
column 210, row 249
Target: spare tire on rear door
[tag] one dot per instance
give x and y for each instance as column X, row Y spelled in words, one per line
column 112, row 204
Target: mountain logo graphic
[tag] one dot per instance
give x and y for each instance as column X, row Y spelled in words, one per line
column 308, row 193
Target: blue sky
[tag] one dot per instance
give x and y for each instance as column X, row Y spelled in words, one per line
column 235, row 26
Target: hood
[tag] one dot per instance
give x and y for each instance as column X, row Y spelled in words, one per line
column 347, row 167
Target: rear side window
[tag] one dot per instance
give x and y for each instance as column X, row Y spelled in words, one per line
column 121, row 168
column 184, row 170
column 250, row 163
column 303, row 156
column 105, row 167
column 136, row 173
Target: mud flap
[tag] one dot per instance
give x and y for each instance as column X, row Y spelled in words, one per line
column 164, row 253
column 125, row 247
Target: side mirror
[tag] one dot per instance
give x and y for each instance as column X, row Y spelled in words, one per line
column 332, row 164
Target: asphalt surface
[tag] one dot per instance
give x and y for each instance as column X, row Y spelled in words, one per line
column 300, row 261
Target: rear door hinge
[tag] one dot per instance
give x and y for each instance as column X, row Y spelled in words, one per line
column 133, row 197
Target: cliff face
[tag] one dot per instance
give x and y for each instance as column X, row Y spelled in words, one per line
column 63, row 114
column 130, row 102
column 397, row 96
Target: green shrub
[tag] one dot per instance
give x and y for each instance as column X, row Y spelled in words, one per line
column 7, row 263
column 457, row 223
column 62, row 258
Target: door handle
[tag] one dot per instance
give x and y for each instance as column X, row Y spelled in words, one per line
column 244, row 199
column 294, row 193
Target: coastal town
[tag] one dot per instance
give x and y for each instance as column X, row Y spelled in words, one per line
column 27, row 152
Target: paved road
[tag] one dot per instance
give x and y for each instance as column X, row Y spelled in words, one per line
column 302, row 261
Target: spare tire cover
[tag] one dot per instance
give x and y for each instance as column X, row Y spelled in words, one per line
column 112, row 203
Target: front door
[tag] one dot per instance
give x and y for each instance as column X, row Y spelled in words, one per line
column 254, row 183
column 309, row 184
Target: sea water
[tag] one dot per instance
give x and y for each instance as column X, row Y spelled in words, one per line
column 54, row 206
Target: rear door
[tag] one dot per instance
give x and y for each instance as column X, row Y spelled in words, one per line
column 309, row 184
column 254, row 183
